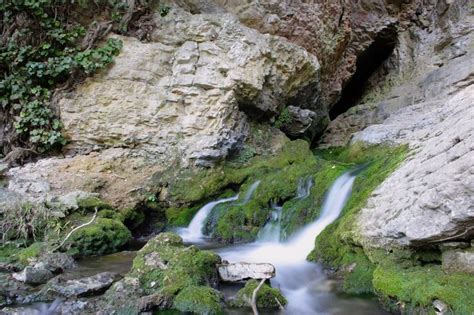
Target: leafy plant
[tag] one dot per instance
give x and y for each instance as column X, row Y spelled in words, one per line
column 39, row 52
column 283, row 119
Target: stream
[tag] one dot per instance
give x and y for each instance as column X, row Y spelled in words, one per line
column 304, row 284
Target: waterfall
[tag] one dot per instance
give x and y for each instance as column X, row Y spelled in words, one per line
column 249, row 193
column 271, row 231
column 334, row 202
column 301, row 282
column 304, row 188
column 193, row 232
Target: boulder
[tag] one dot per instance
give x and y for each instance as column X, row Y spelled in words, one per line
column 232, row 272
column 300, row 122
column 267, row 297
column 458, row 261
column 87, row 286
column 36, row 274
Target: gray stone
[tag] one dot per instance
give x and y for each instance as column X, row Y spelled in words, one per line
column 36, row 274
column 458, row 261
column 88, row 286
column 300, row 121
column 440, row 307
column 232, row 272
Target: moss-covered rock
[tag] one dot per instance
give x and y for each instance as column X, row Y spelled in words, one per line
column 25, row 255
column 336, row 245
column 165, row 265
column 417, row 287
column 267, row 297
column 101, row 237
column 90, row 204
column 199, row 300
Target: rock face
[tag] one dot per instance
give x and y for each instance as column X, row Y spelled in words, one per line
column 185, row 90
column 426, row 103
column 184, row 98
column 436, row 181
column 244, row 271
column 458, row 261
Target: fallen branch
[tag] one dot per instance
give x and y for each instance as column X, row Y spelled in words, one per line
column 74, row 230
column 253, row 303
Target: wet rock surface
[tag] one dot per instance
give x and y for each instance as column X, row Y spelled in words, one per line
column 232, row 272
column 82, row 287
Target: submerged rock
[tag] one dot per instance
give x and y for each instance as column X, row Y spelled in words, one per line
column 233, row 272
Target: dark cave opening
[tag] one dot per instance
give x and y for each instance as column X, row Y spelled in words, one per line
column 367, row 64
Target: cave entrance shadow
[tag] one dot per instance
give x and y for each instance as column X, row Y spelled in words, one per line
column 367, row 63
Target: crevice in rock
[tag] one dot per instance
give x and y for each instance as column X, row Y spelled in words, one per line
column 367, row 64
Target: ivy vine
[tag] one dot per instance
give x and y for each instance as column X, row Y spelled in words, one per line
column 40, row 51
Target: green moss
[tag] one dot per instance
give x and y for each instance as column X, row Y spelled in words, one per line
column 101, row 237
column 90, row 204
column 8, row 252
column 267, row 297
column 34, row 250
column 181, row 216
column 132, row 218
column 418, row 286
column 199, row 299
column 164, row 264
column 335, row 246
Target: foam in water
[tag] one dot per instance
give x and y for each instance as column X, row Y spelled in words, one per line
column 193, row 233
column 297, row 278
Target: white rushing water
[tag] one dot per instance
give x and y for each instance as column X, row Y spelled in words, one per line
column 304, row 188
column 249, row 193
column 302, row 282
column 193, row 233
column 272, row 229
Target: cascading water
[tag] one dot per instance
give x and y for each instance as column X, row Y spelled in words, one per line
column 301, row 282
column 304, row 188
column 193, row 233
column 249, row 193
column 271, row 232
column 272, row 229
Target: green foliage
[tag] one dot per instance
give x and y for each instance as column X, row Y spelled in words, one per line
column 40, row 54
column 245, row 154
column 25, row 222
column 199, row 299
column 164, row 10
column 283, row 119
column 267, row 297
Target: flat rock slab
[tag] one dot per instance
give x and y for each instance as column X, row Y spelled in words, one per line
column 232, row 272
column 85, row 286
